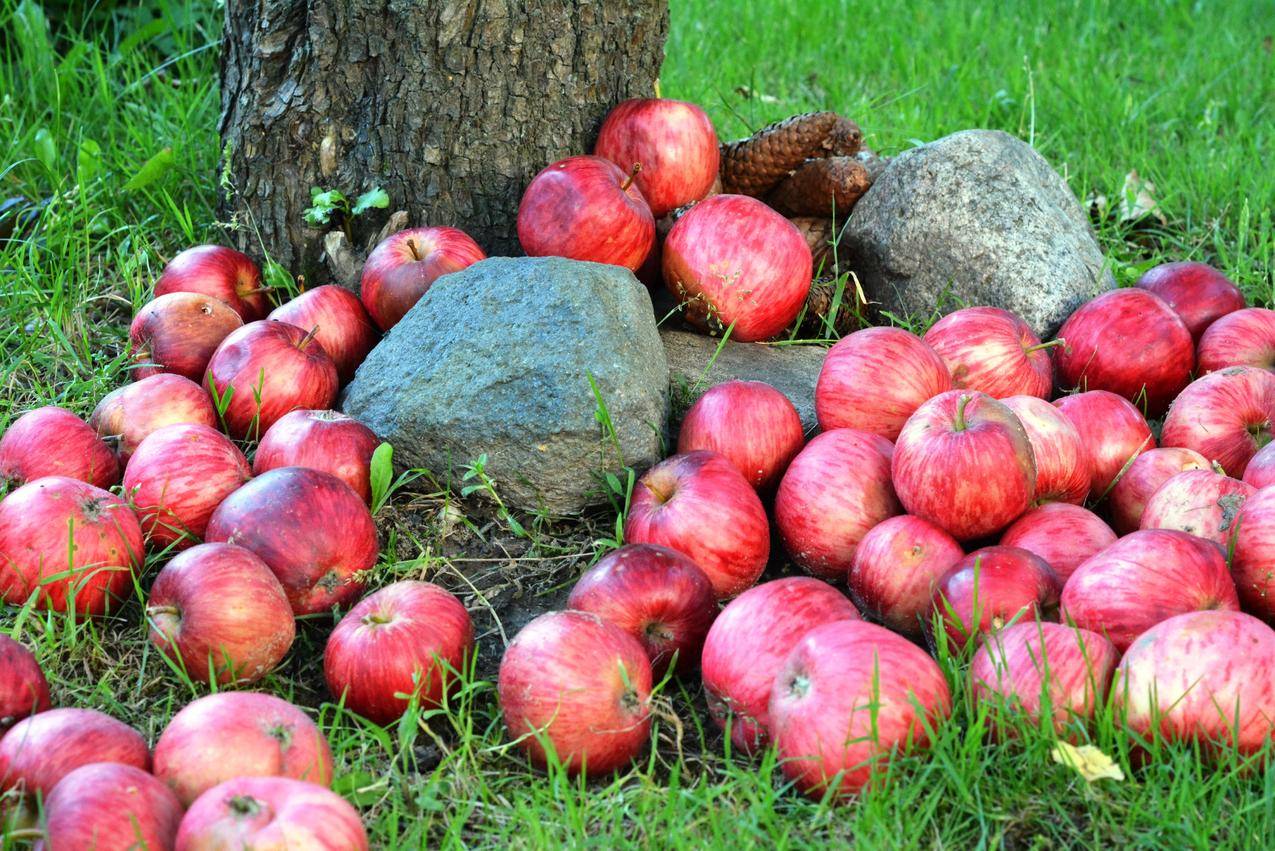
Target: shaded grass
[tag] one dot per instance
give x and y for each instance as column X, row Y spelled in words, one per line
column 113, row 121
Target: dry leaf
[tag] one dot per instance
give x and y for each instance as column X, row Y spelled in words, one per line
column 1091, row 763
column 1137, row 200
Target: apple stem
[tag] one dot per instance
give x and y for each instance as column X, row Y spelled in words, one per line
column 657, row 88
column 1049, row 345
column 309, row 335
column 960, row 412
column 628, row 181
column 152, row 611
column 416, row 254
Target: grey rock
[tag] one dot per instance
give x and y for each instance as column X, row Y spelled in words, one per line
column 695, row 364
column 975, row 218
column 496, row 360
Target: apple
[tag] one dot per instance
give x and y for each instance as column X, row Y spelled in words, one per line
column 321, row 440
column 175, row 479
column 1127, row 342
column 1197, row 292
column 992, row 350
column 874, row 379
column 1203, row 678
column 178, row 333
column 1062, row 534
column 1260, row 471
column 751, row 423
column 655, row 594
column 851, row 695
column 1112, row 431
column 737, row 265
column 1243, row 338
column 219, row 613
column 239, row 734
column 701, row 506
column 309, row 527
column 1201, row 502
column 265, row 369
column 835, row 490
column 75, row 546
column 127, row 415
column 407, row 639
column 1144, row 578
column 587, row 208
column 747, row 645
column 1226, row 416
column 406, row 264
column 52, row 441
column 39, row 751
column 572, row 684
column 895, row 568
column 1062, row 462
column 263, row 813
column 1253, row 557
column 220, row 272
column 23, row 689
column 1143, row 478
column 1043, row 670
column 964, row 462
column 992, row 587
column 110, row 806
column 675, row 144
column 341, row 325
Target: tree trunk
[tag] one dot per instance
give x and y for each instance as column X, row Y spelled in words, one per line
column 450, row 106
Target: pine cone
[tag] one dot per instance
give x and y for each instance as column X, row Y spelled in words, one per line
column 820, row 304
column 753, row 166
column 826, row 187
column 818, row 234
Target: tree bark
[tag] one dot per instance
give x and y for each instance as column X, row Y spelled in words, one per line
column 450, row 106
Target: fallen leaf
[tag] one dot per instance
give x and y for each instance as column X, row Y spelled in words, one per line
column 1137, row 200
column 1091, row 763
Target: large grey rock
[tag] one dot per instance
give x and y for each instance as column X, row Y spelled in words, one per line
column 496, row 360
column 696, row 364
column 976, row 218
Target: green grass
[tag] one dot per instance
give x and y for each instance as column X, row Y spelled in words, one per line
column 114, row 119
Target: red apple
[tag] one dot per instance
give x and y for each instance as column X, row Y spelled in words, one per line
column 1260, row 471
column 1253, row 558
column 321, row 440
column 751, row 423
column 309, row 527
column 111, row 806
column 1225, row 416
column 1243, row 338
column 587, row 208
column 1144, row 578
column 747, row 645
column 239, row 734
column 992, row 350
column 1062, row 463
column 220, row 614
column 874, row 379
column 1143, row 478
column 52, row 441
column 675, row 144
column 1043, row 670
column 1128, row 342
column 409, row 638
column 39, row 751
column 1063, row 535
column 127, row 415
column 220, row 272
column 266, row 369
column 1201, row 502
column 342, row 325
column 76, row 546
column 1197, row 292
column 848, row 698
column 270, row 813
column 1200, row 677
column 992, row 587
column 178, row 333
column 23, row 689
column 406, row 264
column 896, row 566
column 573, row 683
column 1112, row 431
column 738, row 265
column 835, row 490
column 177, row 476
column 964, row 461
column 701, row 506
